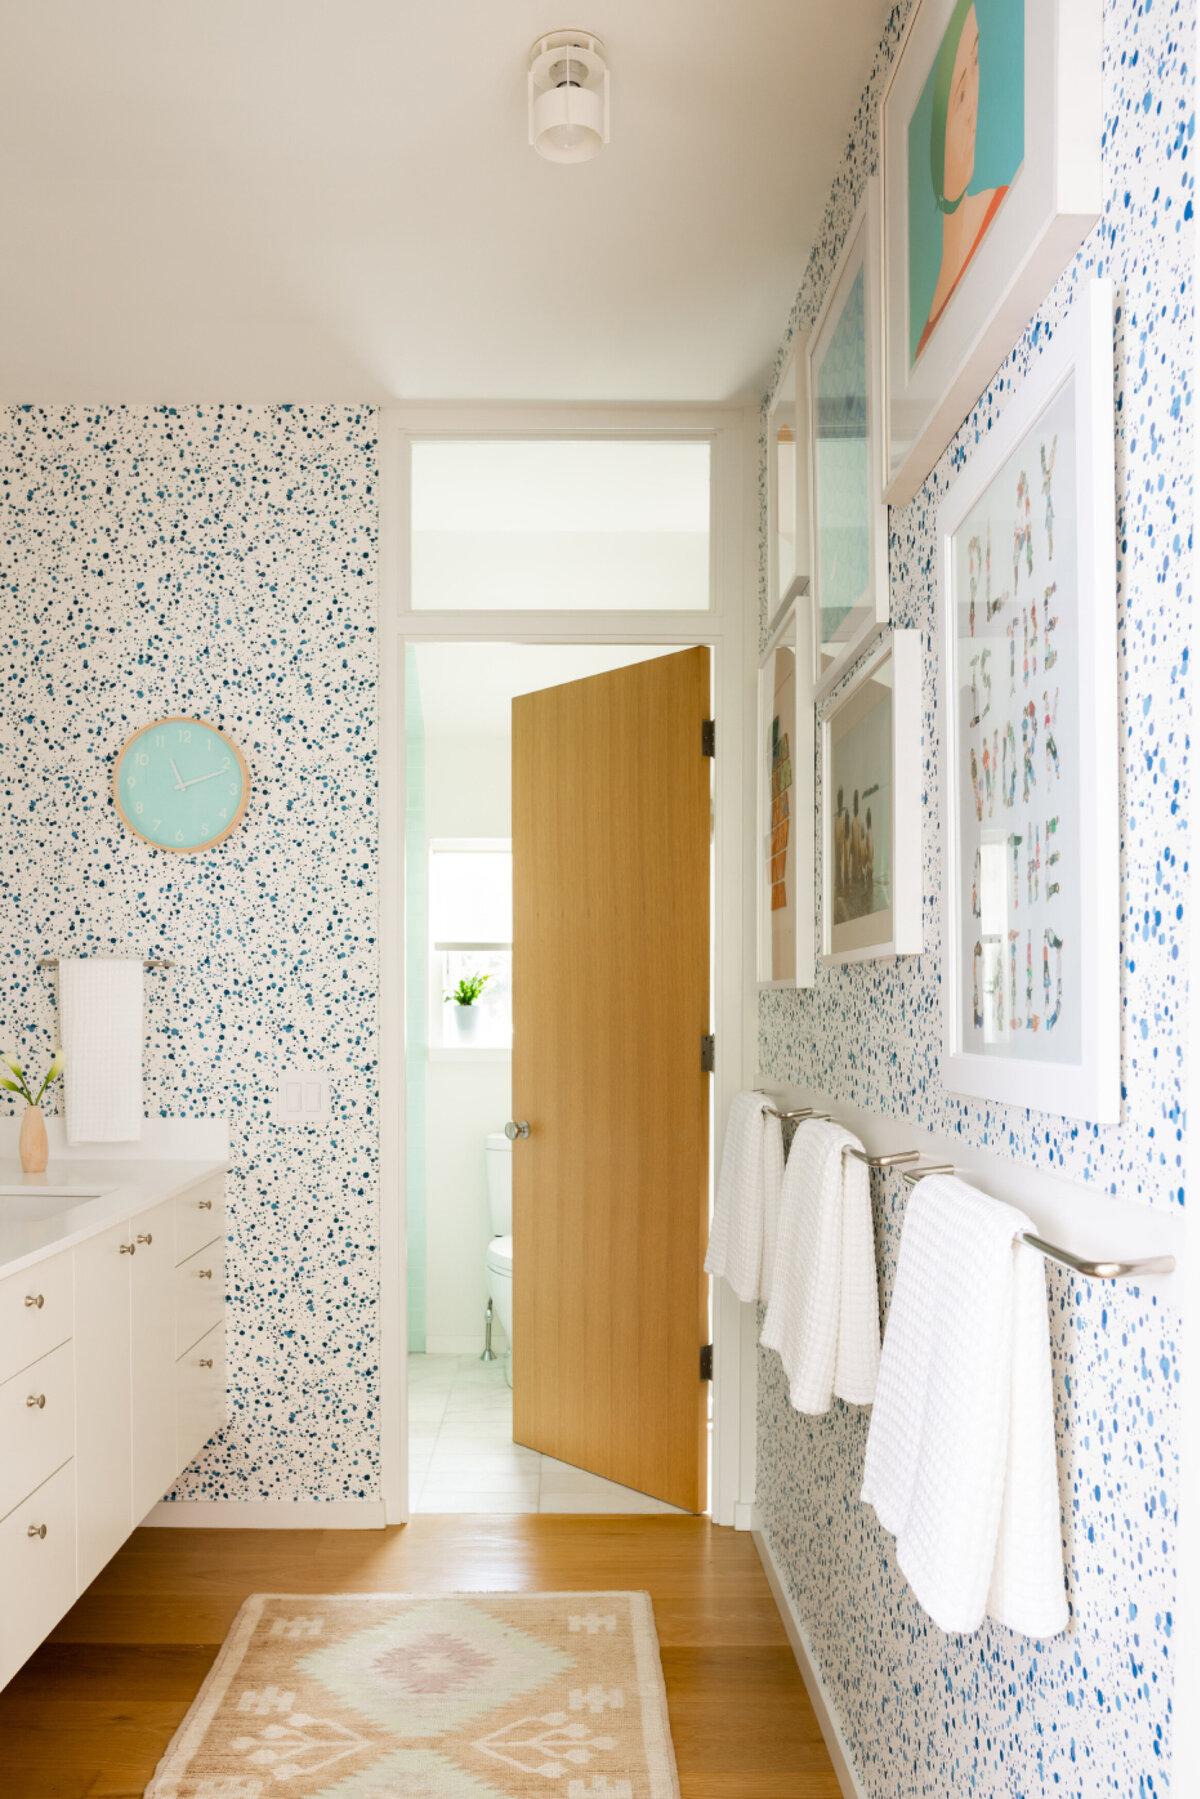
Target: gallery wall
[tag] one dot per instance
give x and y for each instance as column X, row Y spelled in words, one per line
column 217, row 560
column 922, row 1712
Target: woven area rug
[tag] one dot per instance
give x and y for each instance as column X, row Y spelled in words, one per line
column 390, row 1696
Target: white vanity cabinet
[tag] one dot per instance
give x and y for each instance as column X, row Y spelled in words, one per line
column 112, row 1379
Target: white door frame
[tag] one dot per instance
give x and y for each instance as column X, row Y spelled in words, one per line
column 730, row 628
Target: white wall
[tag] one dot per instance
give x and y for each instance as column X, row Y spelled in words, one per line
column 468, row 793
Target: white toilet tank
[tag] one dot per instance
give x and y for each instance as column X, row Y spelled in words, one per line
column 499, row 1173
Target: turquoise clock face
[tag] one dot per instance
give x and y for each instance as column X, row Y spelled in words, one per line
column 181, row 784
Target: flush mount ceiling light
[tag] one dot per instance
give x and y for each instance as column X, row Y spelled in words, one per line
column 568, row 96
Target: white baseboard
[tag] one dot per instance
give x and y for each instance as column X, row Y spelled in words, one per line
column 267, row 1514
column 835, row 1742
column 743, row 1516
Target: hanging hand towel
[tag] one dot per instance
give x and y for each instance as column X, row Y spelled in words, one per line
column 742, row 1239
column 103, row 1040
column 823, row 1317
column 961, row 1463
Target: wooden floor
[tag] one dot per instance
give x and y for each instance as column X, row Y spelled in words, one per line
column 90, row 1714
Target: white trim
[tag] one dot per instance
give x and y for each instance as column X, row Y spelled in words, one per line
column 810, row 1673
column 266, row 1514
column 727, row 628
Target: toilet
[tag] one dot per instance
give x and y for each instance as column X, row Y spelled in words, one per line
column 500, row 1249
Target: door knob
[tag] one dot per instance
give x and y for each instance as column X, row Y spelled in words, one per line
column 512, row 1130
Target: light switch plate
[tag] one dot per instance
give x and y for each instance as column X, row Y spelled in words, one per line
column 302, row 1096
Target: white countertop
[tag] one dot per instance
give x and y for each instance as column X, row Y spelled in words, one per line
column 79, row 1196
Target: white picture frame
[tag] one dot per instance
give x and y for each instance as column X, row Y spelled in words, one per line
column 1040, row 826
column 871, row 902
column 788, row 558
column 848, row 527
column 970, row 269
column 786, row 935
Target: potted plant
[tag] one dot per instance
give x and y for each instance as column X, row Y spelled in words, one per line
column 464, row 997
column 34, row 1150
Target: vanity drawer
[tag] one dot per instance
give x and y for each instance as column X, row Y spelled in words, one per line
column 199, row 1295
column 37, row 1571
column 200, row 1393
column 36, row 1312
column 199, row 1217
column 37, row 1424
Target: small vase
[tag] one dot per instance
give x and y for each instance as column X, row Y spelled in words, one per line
column 35, row 1151
column 467, row 1021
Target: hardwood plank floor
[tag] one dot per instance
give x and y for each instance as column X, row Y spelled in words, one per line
column 89, row 1716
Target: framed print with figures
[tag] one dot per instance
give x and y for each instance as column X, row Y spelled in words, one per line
column 990, row 139
column 786, row 786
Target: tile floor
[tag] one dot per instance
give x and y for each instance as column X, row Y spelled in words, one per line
column 462, row 1457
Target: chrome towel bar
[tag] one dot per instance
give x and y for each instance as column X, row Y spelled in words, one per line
column 151, row 962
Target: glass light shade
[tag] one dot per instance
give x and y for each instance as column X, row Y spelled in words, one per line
column 568, row 124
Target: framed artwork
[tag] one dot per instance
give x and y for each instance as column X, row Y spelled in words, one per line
column 990, row 157
column 845, row 408
column 786, row 798
column 787, row 486
column 1027, row 546
column 871, row 809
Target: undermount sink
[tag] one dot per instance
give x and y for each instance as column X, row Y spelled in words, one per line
column 31, row 1190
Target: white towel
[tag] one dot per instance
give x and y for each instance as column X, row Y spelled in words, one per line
column 742, row 1240
column 103, row 1042
column 961, row 1463
column 823, row 1317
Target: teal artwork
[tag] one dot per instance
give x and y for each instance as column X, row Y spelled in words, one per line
column 843, row 490
column 180, row 784
column 966, row 144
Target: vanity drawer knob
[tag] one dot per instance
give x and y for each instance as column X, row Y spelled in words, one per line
column 36, row 1530
column 206, row 1361
column 128, row 1249
column 204, row 1205
column 35, row 1299
column 37, row 1399
column 147, row 1239
column 205, row 1274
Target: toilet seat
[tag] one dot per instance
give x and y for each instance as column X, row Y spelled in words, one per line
column 500, row 1255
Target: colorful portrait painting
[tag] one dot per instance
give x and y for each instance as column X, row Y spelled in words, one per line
column 781, row 827
column 966, row 144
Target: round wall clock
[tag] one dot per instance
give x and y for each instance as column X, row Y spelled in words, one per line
column 181, row 784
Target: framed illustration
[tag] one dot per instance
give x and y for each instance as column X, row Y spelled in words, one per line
column 1027, row 555
column 845, row 406
column 786, row 800
column 787, row 489
column 871, row 809
column 990, row 157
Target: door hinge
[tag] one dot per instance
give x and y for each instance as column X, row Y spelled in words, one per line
column 706, row 1362
column 708, row 1055
column 708, row 737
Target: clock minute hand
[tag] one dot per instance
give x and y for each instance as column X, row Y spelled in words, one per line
column 180, row 783
column 195, row 782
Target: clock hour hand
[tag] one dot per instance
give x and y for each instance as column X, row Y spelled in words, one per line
column 195, row 782
column 180, row 783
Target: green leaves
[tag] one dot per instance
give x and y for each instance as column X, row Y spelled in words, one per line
column 21, row 1085
column 468, row 990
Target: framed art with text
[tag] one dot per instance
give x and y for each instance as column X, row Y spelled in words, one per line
column 990, row 158
column 871, row 808
column 1027, row 542
column 845, row 403
column 786, row 782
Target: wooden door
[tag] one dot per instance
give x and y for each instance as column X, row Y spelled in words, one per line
column 611, row 850
column 103, row 1451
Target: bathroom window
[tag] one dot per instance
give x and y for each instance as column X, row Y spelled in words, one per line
column 567, row 524
column 470, row 927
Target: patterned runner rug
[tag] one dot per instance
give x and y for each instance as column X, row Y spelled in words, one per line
column 390, row 1696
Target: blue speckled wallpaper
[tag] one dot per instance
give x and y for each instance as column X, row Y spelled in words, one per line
column 219, row 560
column 993, row 1713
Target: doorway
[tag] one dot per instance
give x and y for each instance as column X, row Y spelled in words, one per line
column 459, row 983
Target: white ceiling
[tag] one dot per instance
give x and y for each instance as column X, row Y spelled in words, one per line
column 467, row 689
column 335, row 199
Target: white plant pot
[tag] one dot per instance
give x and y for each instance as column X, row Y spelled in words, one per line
column 466, row 1023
